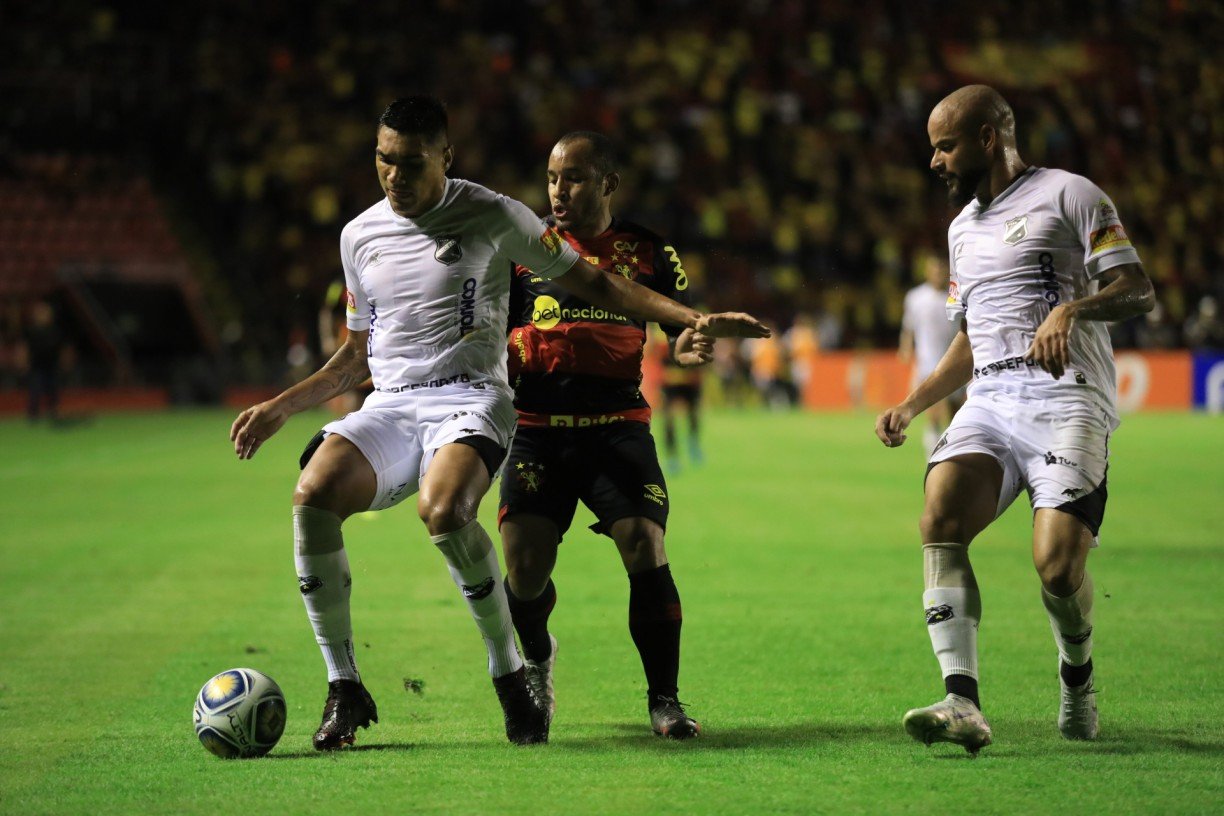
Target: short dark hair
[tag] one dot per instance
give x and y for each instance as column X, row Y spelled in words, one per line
column 417, row 115
column 603, row 152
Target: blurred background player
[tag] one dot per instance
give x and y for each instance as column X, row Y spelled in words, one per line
column 584, row 432
column 1041, row 261
column 680, row 390
column 425, row 271
column 333, row 329
column 926, row 333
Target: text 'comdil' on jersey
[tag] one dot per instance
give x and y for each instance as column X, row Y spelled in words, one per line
column 547, row 313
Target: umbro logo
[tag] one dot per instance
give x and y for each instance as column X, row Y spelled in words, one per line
column 1073, row 492
column 1015, row 230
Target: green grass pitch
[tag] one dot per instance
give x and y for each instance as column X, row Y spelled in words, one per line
column 138, row 557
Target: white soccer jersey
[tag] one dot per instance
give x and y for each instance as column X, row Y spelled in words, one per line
column 925, row 318
column 434, row 290
column 1042, row 242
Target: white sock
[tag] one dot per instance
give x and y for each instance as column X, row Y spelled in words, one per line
column 473, row 566
column 326, row 583
column 952, row 615
column 1071, row 621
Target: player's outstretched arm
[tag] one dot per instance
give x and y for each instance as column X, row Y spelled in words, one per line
column 954, row 370
column 1128, row 292
column 623, row 296
column 347, row 367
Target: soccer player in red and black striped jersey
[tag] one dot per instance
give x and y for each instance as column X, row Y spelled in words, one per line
column 584, row 432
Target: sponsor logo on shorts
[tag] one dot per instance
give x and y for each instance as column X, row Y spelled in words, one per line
column 1052, row 459
column 309, row 583
column 467, row 307
column 943, row 440
column 938, row 614
column 655, row 494
column 478, row 592
column 1015, row 230
column 448, row 250
column 438, row 383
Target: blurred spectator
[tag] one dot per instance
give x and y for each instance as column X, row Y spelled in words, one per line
column 1204, row 329
column 44, row 346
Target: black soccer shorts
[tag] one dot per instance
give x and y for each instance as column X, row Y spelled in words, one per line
column 612, row 469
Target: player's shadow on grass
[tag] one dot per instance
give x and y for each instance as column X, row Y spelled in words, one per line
column 792, row 735
column 311, row 754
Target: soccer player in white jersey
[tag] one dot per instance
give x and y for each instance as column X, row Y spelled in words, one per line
column 427, row 270
column 1039, row 262
column 926, row 333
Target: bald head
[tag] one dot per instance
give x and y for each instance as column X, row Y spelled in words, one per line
column 967, row 109
column 973, row 134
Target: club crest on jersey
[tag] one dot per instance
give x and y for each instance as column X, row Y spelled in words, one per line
column 448, row 250
column 625, row 271
column 1015, row 230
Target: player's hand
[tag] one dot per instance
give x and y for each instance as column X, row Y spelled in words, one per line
column 254, row 426
column 1051, row 347
column 890, row 426
column 693, row 349
column 731, row 324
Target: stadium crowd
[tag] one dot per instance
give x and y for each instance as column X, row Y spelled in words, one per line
column 781, row 145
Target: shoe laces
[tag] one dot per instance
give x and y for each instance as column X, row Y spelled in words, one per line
column 669, row 702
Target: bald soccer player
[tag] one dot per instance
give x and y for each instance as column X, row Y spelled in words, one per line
column 1039, row 262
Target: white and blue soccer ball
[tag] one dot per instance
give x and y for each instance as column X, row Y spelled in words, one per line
column 240, row 713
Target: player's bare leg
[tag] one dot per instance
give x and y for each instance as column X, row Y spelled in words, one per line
column 336, row 483
column 451, row 490
column 1060, row 552
column 530, row 543
column 655, row 618
column 962, row 497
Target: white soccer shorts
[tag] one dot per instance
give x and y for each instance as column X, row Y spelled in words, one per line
column 400, row 433
column 1058, row 451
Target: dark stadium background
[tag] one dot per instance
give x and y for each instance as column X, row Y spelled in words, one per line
column 174, row 177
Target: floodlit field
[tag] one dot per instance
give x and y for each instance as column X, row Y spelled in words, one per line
column 139, row 558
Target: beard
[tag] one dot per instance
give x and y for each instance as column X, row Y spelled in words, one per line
column 964, row 187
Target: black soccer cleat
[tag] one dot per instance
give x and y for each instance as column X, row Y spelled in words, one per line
column 526, row 719
column 668, row 719
column 348, row 707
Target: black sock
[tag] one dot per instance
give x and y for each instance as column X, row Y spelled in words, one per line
column 654, row 623
column 1075, row 675
column 531, row 621
column 962, row 685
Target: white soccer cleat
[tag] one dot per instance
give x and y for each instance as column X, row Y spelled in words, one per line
column 953, row 719
column 1077, row 712
column 539, row 677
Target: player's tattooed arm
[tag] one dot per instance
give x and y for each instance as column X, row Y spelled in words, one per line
column 347, row 368
column 1127, row 293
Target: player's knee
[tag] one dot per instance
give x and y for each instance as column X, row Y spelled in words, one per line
column 444, row 513
column 1061, row 573
column 937, row 525
column 528, row 579
column 642, row 549
column 323, row 491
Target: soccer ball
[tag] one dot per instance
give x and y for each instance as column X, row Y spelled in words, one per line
column 240, row 713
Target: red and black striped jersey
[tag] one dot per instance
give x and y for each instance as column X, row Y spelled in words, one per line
column 572, row 363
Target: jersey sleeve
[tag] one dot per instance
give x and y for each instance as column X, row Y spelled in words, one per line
column 357, row 306
column 670, row 280
column 521, row 237
column 1092, row 217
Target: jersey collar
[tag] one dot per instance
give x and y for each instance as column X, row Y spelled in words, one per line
column 1016, row 183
